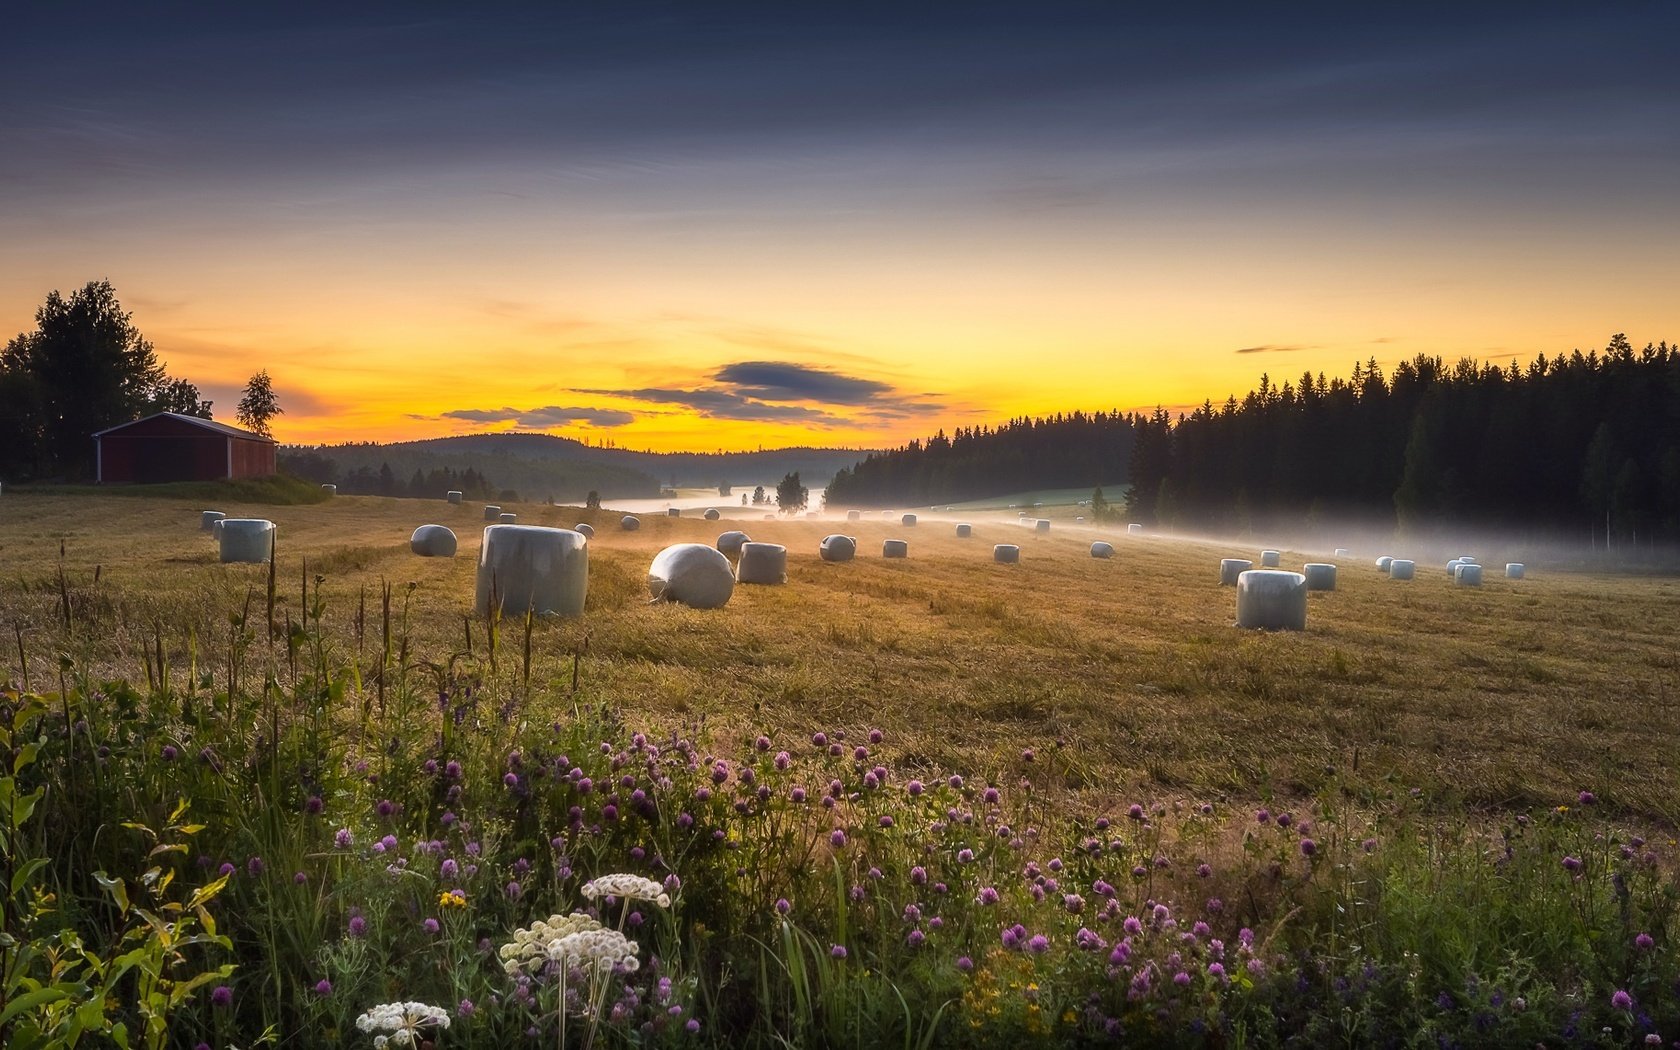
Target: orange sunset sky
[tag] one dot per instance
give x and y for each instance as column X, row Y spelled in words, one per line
column 686, row 230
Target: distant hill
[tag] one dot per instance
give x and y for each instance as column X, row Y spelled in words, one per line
column 539, row 466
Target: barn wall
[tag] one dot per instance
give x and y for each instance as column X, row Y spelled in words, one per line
column 253, row 459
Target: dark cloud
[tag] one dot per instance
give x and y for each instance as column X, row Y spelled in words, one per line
column 724, row 404
column 1269, row 349
column 782, row 381
column 543, row 418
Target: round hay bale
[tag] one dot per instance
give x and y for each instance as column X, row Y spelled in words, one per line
column 1272, row 600
column 673, row 512
column 1270, row 559
column 1514, row 570
column 492, row 512
column 964, row 530
column 1452, row 566
column 1134, row 529
column 506, row 518
column 762, row 563
column 585, row 528
column 1383, row 563
column 1467, row 560
column 629, row 523
column 532, row 568
column 432, row 541
column 711, row 514
column 908, row 521
column 1102, row 549
column 1343, row 552
column 1401, row 569
column 208, row 518
column 854, row 515
column 1231, row 568
column 895, row 548
column 691, row 574
column 453, row 496
column 249, row 540
column 1079, row 519
column 1006, row 554
column 1041, row 526
column 837, row 548
column 731, row 542
column 1469, row 574
column 216, row 530
column 331, row 490
column 1321, row 576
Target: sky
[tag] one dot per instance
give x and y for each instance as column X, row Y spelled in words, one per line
column 712, row 226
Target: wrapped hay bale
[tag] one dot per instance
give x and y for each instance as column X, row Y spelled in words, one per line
column 691, row 574
column 730, row 542
column 1401, row 569
column 1383, row 563
column 895, row 549
column 532, row 568
column 1321, row 576
column 762, row 563
column 1102, row 549
column 886, row 515
column 331, row 490
column 1469, row 574
column 908, row 521
column 1041, row 526
column 1343, row 552
column 1006, row 554
column 1272, row 600
column 585, row 528
column 249, row 540
column 506, row 518
column 673, row 512
column 432, row 541
column 207, row 519
column 216, row 530
column 964, row 530
column 854, row 515
column 629, row 523
column 1270, row 559
column 1514, row 570
column 1231, row 568
column 1079, row 519
column 1134, row 529
column 1452, row 567
column 453, row 496
column 492, row 512
column 711, row 514
column 837, row 548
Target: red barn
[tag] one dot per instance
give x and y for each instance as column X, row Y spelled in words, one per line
column 173, row 447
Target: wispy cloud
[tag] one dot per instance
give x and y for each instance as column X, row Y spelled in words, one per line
column 1271, row 349
column 543, row 418
column 783, row 381
column 724, row 404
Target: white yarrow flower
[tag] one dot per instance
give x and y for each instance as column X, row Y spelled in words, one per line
column 399, row 1024
column 528, row 951
column 598, row 949
column 627, row 887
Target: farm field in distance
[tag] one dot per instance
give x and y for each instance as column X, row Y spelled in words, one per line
column 1125, row 676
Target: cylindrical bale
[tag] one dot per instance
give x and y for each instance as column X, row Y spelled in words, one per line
column 1452, row 566
column 1134, row 529
column 908, row 521
column 216, row 530
column 762, row 563
column 1079, row 519
column 432, row 541
column 854, row 515
column 492, row 512
column 730, row 542
column 673, row 512
column 247, row 540
column 837, row 548
column 1384, row 562
column 895, row 548
column 1102, row 549
column 629, row 523
column 1270, row 559
column 208, row 518
column 1272, row 600
column 1469, row 574
column 1343, row 552
column 1467, row 560
column 1231, row 568
column 964, row 530
column 712, row 514
column 331, row 490
column 1006, row 554
column 453, row 495
column 886, row 515
column 769, row 517
column 1321, row 576
column 506, row 518
column 1042, row 525
column 812, row 515
column 585, row 528
column 532, row 568
column 1401, row 569
column 691, row 574
column 1514, row 570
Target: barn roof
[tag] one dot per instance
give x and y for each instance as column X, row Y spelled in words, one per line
column 208, row 424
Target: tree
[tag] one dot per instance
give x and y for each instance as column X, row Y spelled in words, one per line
column 592, row 501
column 758, row 496
column 178, row 395
column 1099, row 506
column 259, row 405
column 725, row 489
column 84, row 368
column 791, row 496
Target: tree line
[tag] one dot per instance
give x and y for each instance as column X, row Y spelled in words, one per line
column 1071, row 450
column 365, row 481
column 1584, row 444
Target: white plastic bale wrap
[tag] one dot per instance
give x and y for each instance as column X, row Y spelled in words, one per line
column 585, row 528
column 1102, row 549
column 886, row 515
column 248, row 540
column 1321, row 576
column 1384, row 562
column 691, row 574
column 1134, row 529
column 216, row 530
column 730, row 542
column 1270, row 559
column 630, row 523
column 506, row 518
column 453, row 496
column 762, row 563
column 964, row 530
column 1272, row 600
column 712, row 514
column 854, row 515
column 1006, row 554
column 908, row 521
column 1231, row 568
column 492, row 512
column 895, row 548
column 1041, row 526
column 1514, row 570
column 1452, row 567
column 673, row 512
column 532, row 568
column 432, row 541
column 1079, row 519
column 331, row 490
column 1343, row 552
column 1401, row 569
column 1469, row 574
column 837, row 548
column 207, row 519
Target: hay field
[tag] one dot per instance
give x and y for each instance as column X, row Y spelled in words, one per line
column 1125, row 677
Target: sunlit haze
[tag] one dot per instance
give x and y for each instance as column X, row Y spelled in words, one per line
column 721, row 227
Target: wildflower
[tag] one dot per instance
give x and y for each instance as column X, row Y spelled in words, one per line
column 693, row 1026
column 254, row 866
column 886, row 820
column 914, row 788
column 403, row 1021
column 1369, row 845
column 1586, row 798
column 600, row 949
column 1284, row 820
column 529, row 949
column 314, row 805
column 386, row 807
column 965, row 964
column 1027, row 755
column 762, row 743
column 965, row 856
column 1181, row 979
column 628, row 887
column 1621, row 1000
column 955, row 782
column 1308, row 847
column 222, row 996
column 452, row 899
column 1262, row 816
column 837, row 951
column 358, row 926
column 1074, row 903
column 300, row 878
column 227, row 868
column 990, row 797
column 323, row 987
column 465, row 1009
column 1572, row 864
column 783, row 760
column 918, row 876
column 1135, row 812
column 430, row 925
column 988, row 895
column 783, row 906
column 169, row 753
column 452, row 770
column 819, row 739
column 837, row 839
column 915, row 938
column 1643, row 942
column 449, row 868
